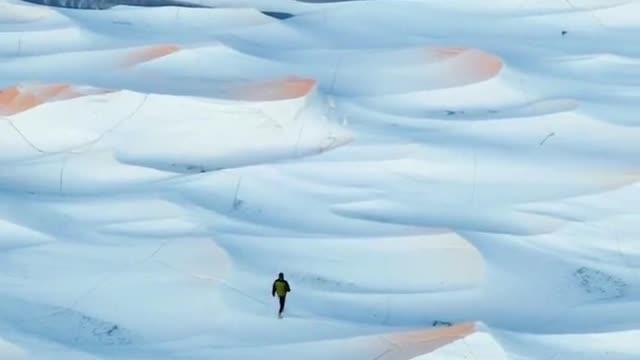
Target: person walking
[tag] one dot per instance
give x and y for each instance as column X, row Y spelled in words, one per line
column 280, row 287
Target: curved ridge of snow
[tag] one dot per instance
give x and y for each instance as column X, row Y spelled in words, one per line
column 437, row 180
column 9, row 351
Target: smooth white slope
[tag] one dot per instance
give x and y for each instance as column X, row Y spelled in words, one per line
column 404, row 174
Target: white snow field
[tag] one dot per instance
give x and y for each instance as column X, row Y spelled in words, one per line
column 436, row 179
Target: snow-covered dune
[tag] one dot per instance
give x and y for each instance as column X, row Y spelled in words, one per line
column 436, row 180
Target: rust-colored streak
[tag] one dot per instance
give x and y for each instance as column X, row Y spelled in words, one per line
column 411, row 344
column 13, row 101
column 21, row 98
column 139, row 56
column 484, row 65
column 445, row 53
column 281, row 89
column 466, row 65
column 57, row 92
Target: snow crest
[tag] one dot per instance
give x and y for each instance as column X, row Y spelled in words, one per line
column 437, row 180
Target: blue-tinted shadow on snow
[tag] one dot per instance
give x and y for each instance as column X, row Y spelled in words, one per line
column 324, row 1
column 107, row 4
column 278, row 15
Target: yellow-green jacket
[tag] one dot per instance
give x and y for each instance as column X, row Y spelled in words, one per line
column 280, row 287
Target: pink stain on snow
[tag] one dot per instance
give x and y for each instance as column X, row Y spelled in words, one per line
column 281, row 89
column 411, row 344
column 21, row 98
column 466, row 65
column 445, row 53
column 139, row 56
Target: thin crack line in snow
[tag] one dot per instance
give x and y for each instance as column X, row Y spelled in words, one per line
column 390, row 342
column 614, row 233
column 19, row 52
column 383, row 354
column 590, row 11
column 119, row 123
column 96, row 285
column 162, row 245
column 331, row 93
column 88, row 144
column 469, row 348
column 304, row 123
column 236, row 203
column 214, row 278
column 335, row 74
column 24, row 137
column 74, row 304
column 547, row 138
column 612, row 230
column 624, row 258
column 394, row 347
column 60, row 184
column 566, row 311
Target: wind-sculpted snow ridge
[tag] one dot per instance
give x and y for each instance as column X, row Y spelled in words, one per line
column 436, row 180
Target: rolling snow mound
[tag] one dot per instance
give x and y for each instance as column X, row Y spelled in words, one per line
column 436, row 180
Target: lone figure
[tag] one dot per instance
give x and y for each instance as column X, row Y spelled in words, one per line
column 281, row 287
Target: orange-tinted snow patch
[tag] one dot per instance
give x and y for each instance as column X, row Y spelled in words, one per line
column 444, row 53
column 484, row 64
column 477, row 64
column 21, row 98
column 411, row 344
column 147, row 54
column 281, row 89
column 467, row 64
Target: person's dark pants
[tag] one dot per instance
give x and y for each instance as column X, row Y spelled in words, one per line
column 282, row 300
